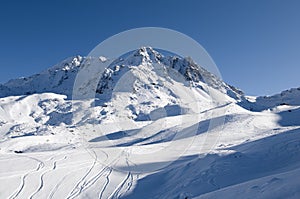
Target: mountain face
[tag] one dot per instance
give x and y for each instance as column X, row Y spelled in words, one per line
column 158, row 127
column 151, row 83
column 60, row 78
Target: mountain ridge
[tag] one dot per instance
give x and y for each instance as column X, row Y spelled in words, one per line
column 60, row 78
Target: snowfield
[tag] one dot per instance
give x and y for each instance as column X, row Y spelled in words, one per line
column 158, row 127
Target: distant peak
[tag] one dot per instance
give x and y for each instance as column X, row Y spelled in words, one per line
column 144, row 55
column 145, row 50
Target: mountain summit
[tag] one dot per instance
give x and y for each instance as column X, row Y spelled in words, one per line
column 144, row 54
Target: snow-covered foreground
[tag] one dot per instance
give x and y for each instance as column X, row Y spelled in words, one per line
column 251, row 155
column 156, row 135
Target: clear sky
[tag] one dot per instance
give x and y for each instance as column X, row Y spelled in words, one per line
column 255, row 43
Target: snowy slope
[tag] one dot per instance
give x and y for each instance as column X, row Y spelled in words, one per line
column 160, row 127
column 288, row 97
column 58, row 79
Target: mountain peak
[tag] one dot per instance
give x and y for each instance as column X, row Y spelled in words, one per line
column 144, row 51
column 144, row 55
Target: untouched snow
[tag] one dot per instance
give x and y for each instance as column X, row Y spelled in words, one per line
column 160, row 127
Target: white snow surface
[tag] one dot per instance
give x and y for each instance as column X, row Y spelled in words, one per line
column 159, row 127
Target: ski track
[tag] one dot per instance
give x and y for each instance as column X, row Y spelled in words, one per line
column 85, row 183
column 130, row 176
column 92, row 181
column 43, row 175
column 96, row 177
column 60, row 183
column 105, row 185
column 57, row 185
column 107, row 178
column 80, row 184
column 128, row 181
column 40, row 166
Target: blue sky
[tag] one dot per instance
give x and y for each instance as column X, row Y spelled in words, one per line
column 255, row 44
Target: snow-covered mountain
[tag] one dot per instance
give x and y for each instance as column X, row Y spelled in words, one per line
column 60, row 78
column 158, row 127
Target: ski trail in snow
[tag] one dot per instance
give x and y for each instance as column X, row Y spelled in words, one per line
column 96, row 177
column 54, row 190
column 130, row 178
column 126, row 184
column 79, row 186
column 84, row 182
column 17, row 192
column 105, row 185
column 43, row 175
column 41, row 185
column 57, row 185
column 92, row 181
column 87, row 183
column 101, row 194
